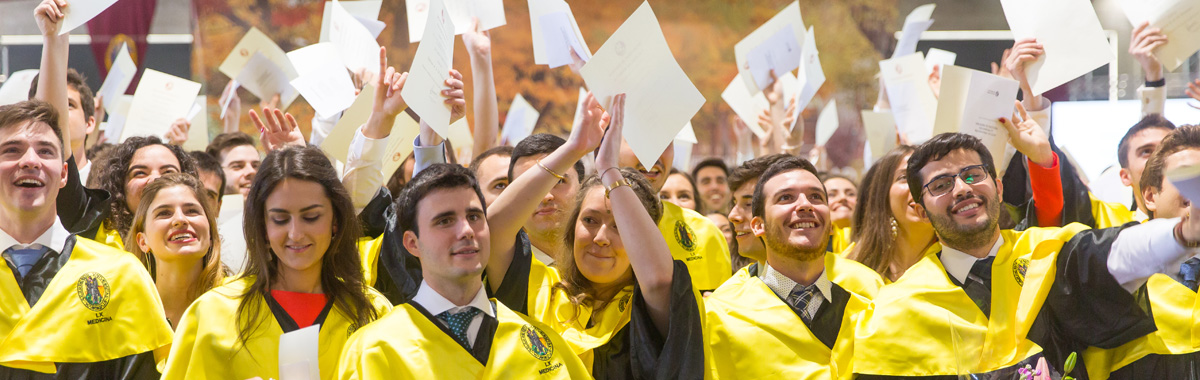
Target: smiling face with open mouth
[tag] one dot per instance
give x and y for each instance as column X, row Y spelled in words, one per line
column 598, row 251
column 176, row 226
column 31, row 167
column 656, row 174
column 967, row 216
column 299, row 225
column 749, row 246
column 795, row 221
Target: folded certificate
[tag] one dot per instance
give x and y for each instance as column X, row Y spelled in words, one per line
column 489, row 12
column 1070, row 35
column 323, row 80
column 518, row 122
column 913, row 104
column 972, row 102
column 160, row 99
column 881, row 133
column 120, row 76
column 916, row 23
column 660, row 100
column 355, row 44
column 430, row 68
column 551, row 38
column 774, row 35
column 337, row 144
column 1178, row 19
column 811, row 76
column 265, row 79
column 360, row 9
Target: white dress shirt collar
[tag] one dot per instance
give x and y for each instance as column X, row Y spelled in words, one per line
column 958, row 263
column 433, row 302
column 54, row 238
column 782, row 285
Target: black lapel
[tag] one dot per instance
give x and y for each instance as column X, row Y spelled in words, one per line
column 828, row 321
column 485, row 337
column 285, row 320
column 35, row 282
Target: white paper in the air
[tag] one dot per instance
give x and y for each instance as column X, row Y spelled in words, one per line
column 781, row 53
column 1070, row 34
column 355, row 44
column 518, row 122
column 660, row 98
column 827, row 122
column 160, row 99
column 1178, row 19
column 748, row 107
column 400, row 143
column 560, row 39
column 116, row 117
column 913, row 104
column 360, row 9
column 881, row 132
column 323, row 80
column 788, row 17
column 80, row 12
column 489, row 12
column 430, row 68
column 811, row 76
column 255, row 41
column 16, row 87
column 917, row 22
column 120, row 76
column 540, row 8
column 198, row 132
column 972, row 102
column 265, row 79
column 939, row 57
column 337, row 144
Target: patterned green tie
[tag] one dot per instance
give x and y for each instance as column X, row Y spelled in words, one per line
column 458, row 323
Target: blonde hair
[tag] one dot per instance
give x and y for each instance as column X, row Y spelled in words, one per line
column 212, row 273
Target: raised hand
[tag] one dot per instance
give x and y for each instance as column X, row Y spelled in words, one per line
column 1193, row 91
column 587, row 134
column 935, row 81
column 178, row 133
column 279, row 131
column 1141, row 46
column 455, row 98
column 48, row 15
column 1024, row 52
column 479, row 43
column 388, row 101
column 1027, row 136
column 610, row 148
column 1001, row 69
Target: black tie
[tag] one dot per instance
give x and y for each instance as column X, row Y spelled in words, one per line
column 979, row 285
column 1188, row 273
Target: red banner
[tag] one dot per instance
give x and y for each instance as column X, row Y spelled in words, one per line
column 125, row 23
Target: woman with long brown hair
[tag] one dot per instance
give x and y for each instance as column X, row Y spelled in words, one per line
column 174, row 234
column 304, row 270
column 889, row 233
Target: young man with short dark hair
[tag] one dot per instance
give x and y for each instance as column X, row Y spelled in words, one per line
column 239, row 159
column 491, row 168
column 711, row 174
column 545, row 227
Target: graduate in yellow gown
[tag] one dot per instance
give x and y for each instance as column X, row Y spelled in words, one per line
column 303, row 271
column 70, row 308
column 793, row 317
column 451, row 329
column 619, row 300
column 985, row 300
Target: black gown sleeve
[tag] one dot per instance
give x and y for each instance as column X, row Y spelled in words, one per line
column 133, row 367
column 80, row 209
column 1086, row 306
column 677, row 354
column 514, row 288
column 378, row 213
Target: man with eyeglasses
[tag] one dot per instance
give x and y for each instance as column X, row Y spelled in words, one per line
column 986, row 301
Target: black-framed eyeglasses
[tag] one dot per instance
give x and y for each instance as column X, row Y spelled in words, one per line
column 945, row 183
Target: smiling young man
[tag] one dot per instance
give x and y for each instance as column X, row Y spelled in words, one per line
column 693, row 239
column 711, row 175
column 239, row 159
column 546, row 227
column 451, row 329
column 990, row 301
column 75, row 308
column 794, row 316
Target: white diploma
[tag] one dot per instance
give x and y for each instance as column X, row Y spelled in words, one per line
column 461, row 140
column 265, row 79
column 400, row 143
column 16, row 87
column 811, row 76
column 255, row 41
column 578, row 107
column 337, row 144
column 116, row 117
column 780, row 53
column 684, row 141
column 687, row 134
column 430, row 68
column 1069, row 33
column 120, row 76
column 518, row 122
column 1187, row 180
column 298, row 354
column 939, row 57
column 233, row 87
column 913, row 104
column 660, row 99
column 917, row 22
column 360, row 9
column 160, row 99
column 789, row 17
column 355, row 44
column 972, row 102
column 827, row 122
column 1178, row 19
column 79, row 12
column 541, row 52
column 323, row 81
column 560, row 38
column 489, row 12
column 198, row 133
column 881, row 133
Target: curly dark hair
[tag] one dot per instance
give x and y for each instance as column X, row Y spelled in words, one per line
column 115, row 173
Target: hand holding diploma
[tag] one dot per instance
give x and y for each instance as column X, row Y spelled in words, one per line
column 1142, row 45
column 1028, row 137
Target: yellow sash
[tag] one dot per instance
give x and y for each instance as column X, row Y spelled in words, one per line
column 108, row 237
column 552, row 307
column 1108, row 214
column 1176, row 311
column 698, row 243
column 368, row 248
column 754, row 335
column 102, row 305
column 939, row 319
column 407, row 345
column 206, row 342
column 841, row 240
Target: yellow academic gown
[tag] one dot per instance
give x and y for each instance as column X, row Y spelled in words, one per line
column 1108, row 214
column 915, row 325
column 697, row 242
column 101, row 305
column 109, row 237
column 754, row 335
column 206, row 344
column 840, row 241
column 1166, row 353
column 406, row 344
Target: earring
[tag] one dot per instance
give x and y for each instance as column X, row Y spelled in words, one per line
column 895, row 228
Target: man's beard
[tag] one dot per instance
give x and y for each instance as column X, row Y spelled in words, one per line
column 961, row 237
column 776, row 240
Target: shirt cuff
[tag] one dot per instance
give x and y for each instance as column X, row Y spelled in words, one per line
column 426, row 156
column 1154, row 100
column 363, row 148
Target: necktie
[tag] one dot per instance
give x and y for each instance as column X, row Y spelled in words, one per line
column 799, row 300
column 25, row 258
column 1189, row 271
column 458, row 323
column 979, row 285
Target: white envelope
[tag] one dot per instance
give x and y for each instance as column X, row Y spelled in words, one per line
column 913, row 103
column 788, row 17
column 972, row 102
column 489, row 12
column 160, row 99
column 519, row 121
column 660, row 100
column 1070, row 34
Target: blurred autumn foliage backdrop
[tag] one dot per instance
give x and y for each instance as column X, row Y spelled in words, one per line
column 850, row 35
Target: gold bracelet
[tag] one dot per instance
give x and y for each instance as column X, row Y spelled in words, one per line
column 620, row 182
column 556, row 175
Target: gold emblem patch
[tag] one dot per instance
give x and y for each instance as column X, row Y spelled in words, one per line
column 93, row 290
column 685, row 236
column 1019, row 267
column 537, row 343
